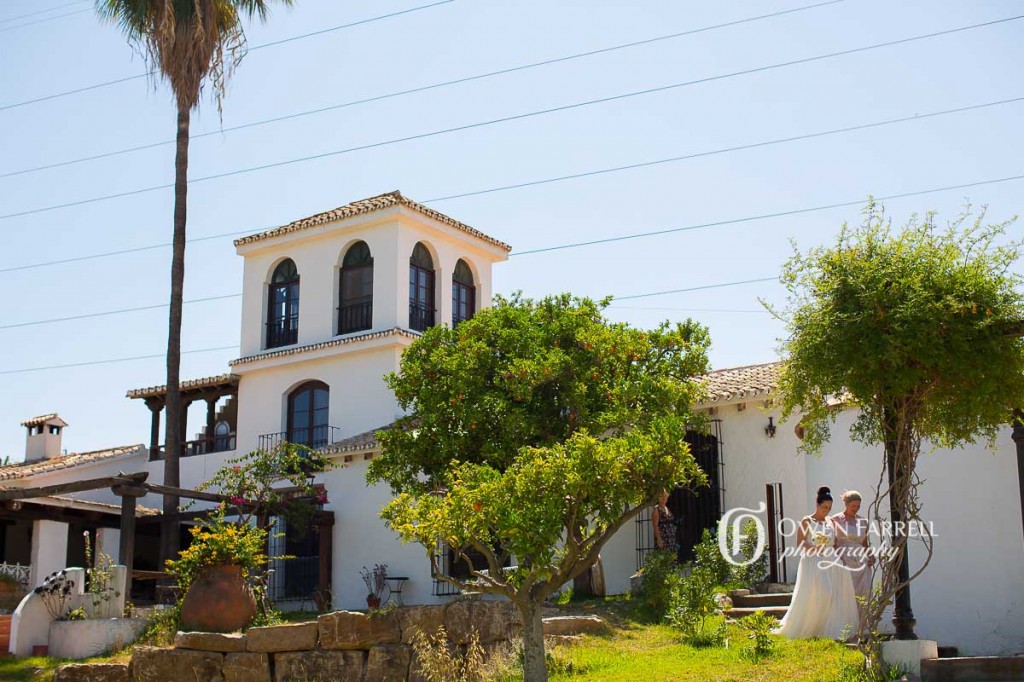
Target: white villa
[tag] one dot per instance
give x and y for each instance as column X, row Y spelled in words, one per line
column 330, row 302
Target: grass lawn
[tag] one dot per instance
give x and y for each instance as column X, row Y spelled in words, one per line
column 41, row 668
column 654, row 653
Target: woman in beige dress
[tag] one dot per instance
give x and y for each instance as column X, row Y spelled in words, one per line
column 852, row 545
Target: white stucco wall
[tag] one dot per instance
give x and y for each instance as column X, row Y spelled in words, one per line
column 391, row 235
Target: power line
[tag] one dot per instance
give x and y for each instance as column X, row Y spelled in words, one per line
column 689, row 310
column 686, row 157
column 424, row 88
column 114, row 312
column 576, row 105
column 40, row 21
column 208, row 350
column 97, row 86
column 43, row 11
column 111, row 361
column 762, row 216
column 572, row 245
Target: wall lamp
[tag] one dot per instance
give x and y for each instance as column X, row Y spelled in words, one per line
column 770, row 429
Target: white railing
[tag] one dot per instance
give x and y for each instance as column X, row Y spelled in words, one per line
column 18, row 572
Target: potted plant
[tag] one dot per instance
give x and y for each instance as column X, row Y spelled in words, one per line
column 375, row 581
column 219, row 573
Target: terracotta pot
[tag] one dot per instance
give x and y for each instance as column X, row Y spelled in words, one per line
column 372, row 601
column 220, row 600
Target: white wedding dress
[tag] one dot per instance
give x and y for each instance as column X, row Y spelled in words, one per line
column 824, row 603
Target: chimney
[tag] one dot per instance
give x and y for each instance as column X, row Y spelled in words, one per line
column 44, row 436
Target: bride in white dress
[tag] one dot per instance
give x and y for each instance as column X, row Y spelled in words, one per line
column 824, row 603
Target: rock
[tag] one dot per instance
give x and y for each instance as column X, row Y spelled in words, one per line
column 492, row 620
column 294, row 637
column 563, row 640
column 319, row 666
column 209, row 641
column 152, row 664
column 574, row 625
column 247, row 668
column 388, row 663
column 352, row 630
column 426, row 619
column 93, row 672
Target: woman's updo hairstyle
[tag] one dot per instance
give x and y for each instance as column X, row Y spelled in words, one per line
column 824, row 494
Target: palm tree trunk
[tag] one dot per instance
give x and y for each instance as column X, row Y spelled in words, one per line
column 169, row 541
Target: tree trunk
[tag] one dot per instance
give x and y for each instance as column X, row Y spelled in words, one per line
column 896, row 462
column 535, row 668
column 169, row 541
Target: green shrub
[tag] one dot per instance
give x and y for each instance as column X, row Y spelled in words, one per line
column 659, row 579
column 694, row 603
column 759, row 628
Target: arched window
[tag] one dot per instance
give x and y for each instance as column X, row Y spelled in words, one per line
column 463, row 293
column 307, row 415
column 421, row 289
column 222, row 436
column 283, row 305
column 355, row 308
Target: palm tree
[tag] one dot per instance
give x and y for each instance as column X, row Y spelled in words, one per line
column 188, row 43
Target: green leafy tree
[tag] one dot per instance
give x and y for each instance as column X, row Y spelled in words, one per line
column 189, row 43
column 535, row 431
column 917, row 329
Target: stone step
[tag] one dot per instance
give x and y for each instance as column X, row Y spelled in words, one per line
column 741, row 612
column 973, row 669
column 755, row 601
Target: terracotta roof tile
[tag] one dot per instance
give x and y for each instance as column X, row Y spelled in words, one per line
column 362, row 442
column 362, row 207
column 41, row 466
column 225, row 380
column 395, row 331
column 748, row 382
column 42, row 419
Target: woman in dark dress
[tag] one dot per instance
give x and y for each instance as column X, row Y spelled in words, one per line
column 664, row 524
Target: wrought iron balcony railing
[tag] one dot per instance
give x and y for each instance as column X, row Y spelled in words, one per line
column 316, row 437
column 421, row 317
column 355, row 317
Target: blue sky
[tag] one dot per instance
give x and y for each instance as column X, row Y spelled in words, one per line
column 450, row 41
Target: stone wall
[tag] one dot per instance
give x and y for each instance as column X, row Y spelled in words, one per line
column 342, row 646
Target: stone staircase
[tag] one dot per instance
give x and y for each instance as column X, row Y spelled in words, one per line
column 745, row 603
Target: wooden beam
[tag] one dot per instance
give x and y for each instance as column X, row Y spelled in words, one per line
column 183, row 492
column 72, row 487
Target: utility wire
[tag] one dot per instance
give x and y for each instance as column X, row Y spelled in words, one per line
column 43, row 11
column 576, row 105
column 208, row 350
column 96, row 86
column 111, row 361
column 686, row 157
column 424, row 88
column 40, row 21
column 114, row 312
column 635, row 235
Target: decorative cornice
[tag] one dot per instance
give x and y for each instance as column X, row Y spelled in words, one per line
column 362, row 207
column 334, row 343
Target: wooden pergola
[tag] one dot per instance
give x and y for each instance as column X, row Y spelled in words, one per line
column 130, row 487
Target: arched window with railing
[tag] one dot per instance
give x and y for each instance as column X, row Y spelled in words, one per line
column 463, row 293
column 308, row 414
column 355, row 299
column 421, row 289
column 283, row 305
